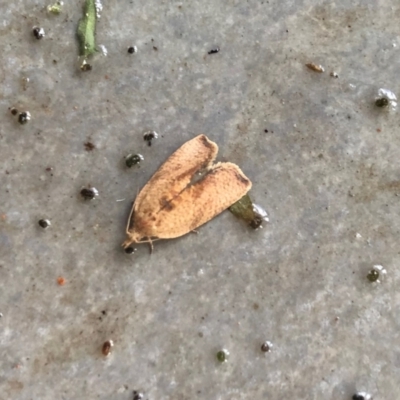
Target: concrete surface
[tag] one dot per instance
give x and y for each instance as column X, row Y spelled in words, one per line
column 324, row 162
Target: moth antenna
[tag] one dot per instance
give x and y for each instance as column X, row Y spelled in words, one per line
column 129, row 218
column 126, row 244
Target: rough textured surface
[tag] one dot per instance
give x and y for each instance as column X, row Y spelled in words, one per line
column 323, row 161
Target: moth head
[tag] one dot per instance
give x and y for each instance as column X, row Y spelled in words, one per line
column 135, row 237
column 132, row 237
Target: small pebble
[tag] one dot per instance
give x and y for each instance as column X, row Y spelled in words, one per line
column 386, row 98
column 24, row 117
column 222, row 355
column 107, row 346
column 130, row 250
column 382, row 102
column 13, row 111
column 90, row 193
column 133, row 159
column 376, row 272
column 38, row 32
column 149, row 136
column 132, row 49
column 334, row 74
column 89, row 146
column 137, row 395
column 214, row 51
column 44, row 223
column 373, row 275
column 85, row 66
column 266, row 347
column 362, row 396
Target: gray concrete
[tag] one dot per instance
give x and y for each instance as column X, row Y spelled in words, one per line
column 327, row 171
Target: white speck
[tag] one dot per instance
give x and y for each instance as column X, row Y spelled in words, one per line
column 99, row 8
column 123, row 389
column 139, row 291
column 120, row 200
column 380, row 269
column 358, row 236
column 363, row 396
column 102, row 49
column 260, row 213
column 42, row 332
column 389, row 95
column 267, row 347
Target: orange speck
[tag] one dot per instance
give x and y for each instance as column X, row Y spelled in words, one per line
column 378, row 130
column 3, row 217
column 61, row 281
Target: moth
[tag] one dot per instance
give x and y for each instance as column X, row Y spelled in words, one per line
column 187, row 191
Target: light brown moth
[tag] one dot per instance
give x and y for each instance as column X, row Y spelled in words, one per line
column 174, row 202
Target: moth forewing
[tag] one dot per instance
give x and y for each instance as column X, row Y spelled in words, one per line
column 176, row 173
column 222, row 186
column 171, row 204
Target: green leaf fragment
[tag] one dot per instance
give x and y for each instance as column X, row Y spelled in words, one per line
column 86, row 29
column 55, row 8
column 251, row 213
column 243, row 209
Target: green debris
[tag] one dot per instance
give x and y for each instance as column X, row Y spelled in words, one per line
column 251, row 213
column 376, row 273
column 55, row 8
column 373, row 275
column 87, row 29
column 222, row 355
column 133, row 159
column 243, row 208
column 382, row 102
column 85, row 66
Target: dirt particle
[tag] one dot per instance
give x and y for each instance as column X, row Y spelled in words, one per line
column 89, row 146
